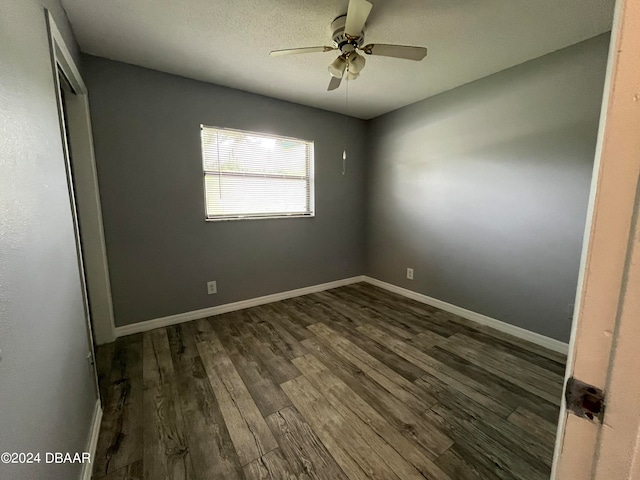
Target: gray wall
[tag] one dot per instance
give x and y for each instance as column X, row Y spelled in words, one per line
column 161, row 251
column 483, row 189
column 46, row 391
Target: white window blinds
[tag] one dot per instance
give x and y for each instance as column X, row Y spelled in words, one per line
column 253, row 175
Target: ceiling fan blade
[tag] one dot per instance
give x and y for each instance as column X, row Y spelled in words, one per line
column 397, row 51
column 334, row 83
column 357, row 15
column 294, row 51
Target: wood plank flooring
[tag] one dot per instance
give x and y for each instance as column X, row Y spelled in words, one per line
column 350, row 383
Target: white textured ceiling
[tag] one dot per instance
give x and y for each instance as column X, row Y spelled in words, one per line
column 228, row 42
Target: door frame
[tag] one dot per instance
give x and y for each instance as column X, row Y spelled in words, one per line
column 94, row 253
column 604, row 330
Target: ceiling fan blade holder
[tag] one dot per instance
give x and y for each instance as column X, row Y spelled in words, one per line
column 396, row 51
column 295, row 51
column 357, row 14
column 334, row 83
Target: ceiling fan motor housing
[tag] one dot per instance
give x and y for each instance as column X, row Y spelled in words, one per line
column 340, row 40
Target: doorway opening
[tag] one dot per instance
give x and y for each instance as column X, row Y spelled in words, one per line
column 65, row 90
column 77, row 139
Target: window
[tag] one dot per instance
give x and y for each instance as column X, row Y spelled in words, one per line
column 254, row 175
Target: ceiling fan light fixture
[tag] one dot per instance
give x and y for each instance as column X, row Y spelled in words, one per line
column 356, row 63
column 337, row 68
column 352, row 75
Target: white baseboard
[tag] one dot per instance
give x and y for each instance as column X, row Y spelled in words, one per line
column 92, row 443
column 230, row 307
column 550, row 343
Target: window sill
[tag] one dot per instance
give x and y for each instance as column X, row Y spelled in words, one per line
column 270, row 217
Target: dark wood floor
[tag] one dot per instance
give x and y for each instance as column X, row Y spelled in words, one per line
column 354, row 382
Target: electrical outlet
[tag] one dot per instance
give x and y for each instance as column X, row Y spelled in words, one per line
column 212, row 288
column 410, row 273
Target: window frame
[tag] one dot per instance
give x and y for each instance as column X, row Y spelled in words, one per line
column 310, row 178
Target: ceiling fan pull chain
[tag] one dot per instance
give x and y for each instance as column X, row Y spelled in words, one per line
column 346, row 119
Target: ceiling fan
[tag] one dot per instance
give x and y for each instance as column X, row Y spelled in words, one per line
column 348, row 37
